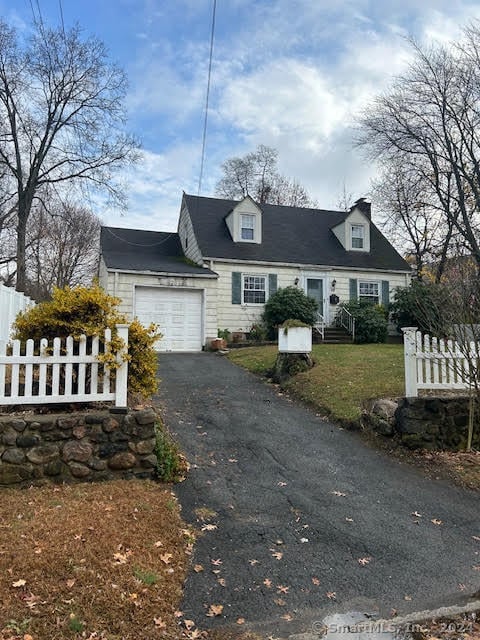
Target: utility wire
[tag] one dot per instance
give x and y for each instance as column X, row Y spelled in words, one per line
column 205, row 122
column 137, row 244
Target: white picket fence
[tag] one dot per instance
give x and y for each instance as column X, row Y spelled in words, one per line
column 431, row 363
column 11, row 303
column 62, row 371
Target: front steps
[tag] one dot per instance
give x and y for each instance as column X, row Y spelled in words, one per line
column 333, row 335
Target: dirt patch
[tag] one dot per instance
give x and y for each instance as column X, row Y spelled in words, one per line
column 93, row 561
column 460, row 467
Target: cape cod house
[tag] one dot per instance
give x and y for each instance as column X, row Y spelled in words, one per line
column 228, row 257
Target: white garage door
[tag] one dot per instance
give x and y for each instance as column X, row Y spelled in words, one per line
column 177, row 312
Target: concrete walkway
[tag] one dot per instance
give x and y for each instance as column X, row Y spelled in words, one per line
column 308, row 520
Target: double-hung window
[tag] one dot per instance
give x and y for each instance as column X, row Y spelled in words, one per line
column 254, row 289
column 358, row 236
column 369, row 291
column 247, row 226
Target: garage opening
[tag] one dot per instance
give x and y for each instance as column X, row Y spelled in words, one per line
column 177, row 312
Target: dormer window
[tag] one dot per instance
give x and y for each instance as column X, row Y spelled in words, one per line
column 358, row 236
column 247, row 226
column 244, row 222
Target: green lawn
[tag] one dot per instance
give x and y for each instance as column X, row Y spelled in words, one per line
column 344, row 379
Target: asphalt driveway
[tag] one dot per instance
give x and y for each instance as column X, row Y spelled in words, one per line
column 309, row 520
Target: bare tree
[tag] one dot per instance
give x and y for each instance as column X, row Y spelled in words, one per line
column 61, row 119
column 431, row 116
column 256, row 174
column 62, row 248
column 410, row 217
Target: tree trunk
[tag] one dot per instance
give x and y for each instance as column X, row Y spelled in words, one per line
column 21, row 258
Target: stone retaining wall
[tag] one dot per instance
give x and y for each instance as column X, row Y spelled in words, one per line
column 83, row 446
column 435, row 422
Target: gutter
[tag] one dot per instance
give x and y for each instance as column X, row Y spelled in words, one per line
column 301, row 265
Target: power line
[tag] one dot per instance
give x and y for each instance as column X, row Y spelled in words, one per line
column 136, row 244
column 61, row 16
column 205, row 122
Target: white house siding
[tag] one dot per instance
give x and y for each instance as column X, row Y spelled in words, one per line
column 123, row 285
column 240, row 317
column 187, row 237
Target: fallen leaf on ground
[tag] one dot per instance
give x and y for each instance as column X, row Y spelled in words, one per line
column 282, row 589
column 216, row 562
column 121, row 558
column 209, row 527
column 279, row 602
column 240, row 620
column 178, row 614
column 159, row 623
column 198, row 567
column 166, row 557
column 189, row 624
column 287, row 616
column 281, row 484
column 436, row 521
column 215, row 610
column 277, row 554
column 408, row 598
column 339, row 493
column 222, row 582
column 332, row 595
column 364, row 561
column 253, row 562
column 267, row 583
column 315, row 581
column 19, row 583
column 349, row 519
column 477, row 538
column 159, row 543
column 415, row 514
column 70, row 583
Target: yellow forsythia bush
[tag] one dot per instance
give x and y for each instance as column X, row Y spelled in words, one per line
column 89, row 310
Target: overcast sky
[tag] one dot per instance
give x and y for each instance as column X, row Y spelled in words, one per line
column 291, row 74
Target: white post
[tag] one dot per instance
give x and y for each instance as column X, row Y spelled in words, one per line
column 409, row 350
column 121, row 378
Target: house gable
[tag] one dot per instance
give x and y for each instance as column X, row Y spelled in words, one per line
column 244, row 222
column 187, row 236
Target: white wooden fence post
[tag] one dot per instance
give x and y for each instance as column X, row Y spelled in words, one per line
column 409, row 350
column 121, row 378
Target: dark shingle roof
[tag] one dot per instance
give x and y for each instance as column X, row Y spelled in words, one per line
column 135, row 250
column 289, row 234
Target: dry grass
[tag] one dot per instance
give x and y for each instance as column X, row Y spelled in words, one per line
column 91, row 561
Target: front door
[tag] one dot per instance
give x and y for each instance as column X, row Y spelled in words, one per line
column 315, row 291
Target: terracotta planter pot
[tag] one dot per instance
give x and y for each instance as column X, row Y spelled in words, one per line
column 218, row 344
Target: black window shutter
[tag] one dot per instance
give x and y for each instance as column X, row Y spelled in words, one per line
column 385, row 292
column 236, row 287
column 353, row 289
column 272, row 284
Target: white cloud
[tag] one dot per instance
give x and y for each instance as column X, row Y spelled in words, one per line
column 155, row 188
column 291, row 75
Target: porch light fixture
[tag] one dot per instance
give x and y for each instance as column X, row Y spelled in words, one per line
column 296, row 281
column 334, row 284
